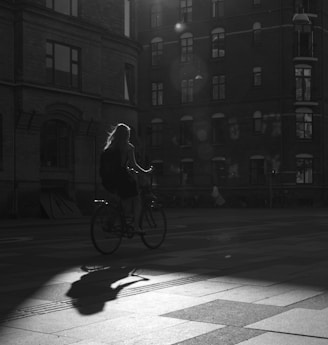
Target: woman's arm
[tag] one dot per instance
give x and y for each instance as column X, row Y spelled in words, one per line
column 132, row 162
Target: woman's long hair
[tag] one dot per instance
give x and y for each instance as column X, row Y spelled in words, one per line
column 118, row 137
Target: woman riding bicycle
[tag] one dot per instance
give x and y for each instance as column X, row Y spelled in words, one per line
column 116, row 162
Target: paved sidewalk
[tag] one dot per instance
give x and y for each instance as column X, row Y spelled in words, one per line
column 268, row 292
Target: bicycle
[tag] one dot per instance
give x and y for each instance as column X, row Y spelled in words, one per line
column 109, row 224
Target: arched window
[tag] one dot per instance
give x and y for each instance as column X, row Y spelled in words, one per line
column 156, row 50
column 218, row 43
column 56, row 145
column 186, row 47
column 257, row 29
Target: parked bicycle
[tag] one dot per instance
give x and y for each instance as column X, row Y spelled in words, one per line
column 110, row 224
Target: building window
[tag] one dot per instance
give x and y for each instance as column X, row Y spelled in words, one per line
column 55, row 143
column 304, row 169
column 186, row 47
column 256, row 3
column 303, row 82
column 186, row 172
column 218, row 43
column 257, row 122
column 218, row 87
column 218, row 125
column 129, row 83
column 187, row 91
column 257, row 34
column 185, row 11
column 156, row 51
column 304, row 6
column 156, row 15
column 63, row 65
column 68, row 7
column 304, row 41
column 304, row 124
column 257, row 170
column 156, row 94
column 217, row 8
column 156, row 132
column 257, row 76
column 218, row 171
column 186, row 131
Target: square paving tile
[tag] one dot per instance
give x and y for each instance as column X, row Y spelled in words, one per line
column 283, row 339
column 22, row 337
column 121, row 329
column 226, row 313
column 172, row 335
column 290, row 297
column 227, row 336
column 296, row 321
column 201, row 288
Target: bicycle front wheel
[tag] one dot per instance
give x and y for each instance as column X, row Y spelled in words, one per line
column 105, row 229
column 153, row 222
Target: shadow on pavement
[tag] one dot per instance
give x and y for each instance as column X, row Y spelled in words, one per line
column 90, row 293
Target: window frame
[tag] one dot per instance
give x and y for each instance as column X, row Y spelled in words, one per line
column 52, row 72
column 185, row 11
column 156, row 15
column 257, row 76
column 157, row 94
column 303, row 92
column 187, row 164
column 186, row 131
column 187, row 91
column 257, row 166
column 218, row 8
column 156, row 45
column 51, row 5
column 305, row 162
column 304, row 125
column 218, row 43
column 218, row 129
column 156, row 135
column 63, row 148
column 186, row 47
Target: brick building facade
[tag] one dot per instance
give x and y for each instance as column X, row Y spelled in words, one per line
column 68, row 72
column 234, row 94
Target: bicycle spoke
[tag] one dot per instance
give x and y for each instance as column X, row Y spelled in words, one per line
column 153, row 222
column 106, row 229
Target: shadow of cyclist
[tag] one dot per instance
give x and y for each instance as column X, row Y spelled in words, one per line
column 90, row 293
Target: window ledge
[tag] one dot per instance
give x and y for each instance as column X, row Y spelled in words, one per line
column 306, row 103
column 305, row 58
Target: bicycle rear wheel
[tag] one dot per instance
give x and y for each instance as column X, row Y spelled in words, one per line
column 105, row 229
column 153, row 222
